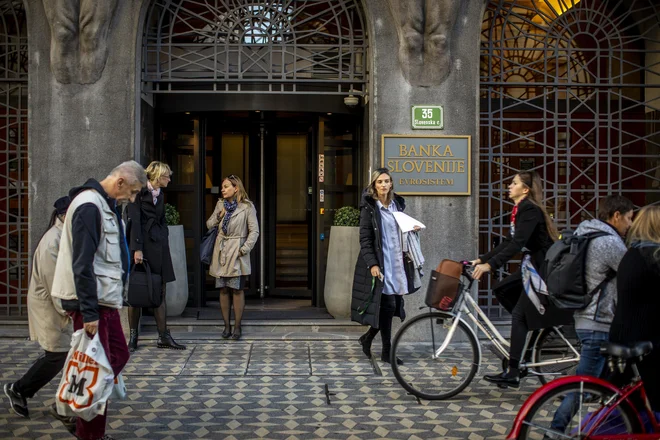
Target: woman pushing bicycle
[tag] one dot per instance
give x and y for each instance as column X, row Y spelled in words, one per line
column 532, row 232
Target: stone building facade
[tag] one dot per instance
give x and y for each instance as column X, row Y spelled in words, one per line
column 295, row 97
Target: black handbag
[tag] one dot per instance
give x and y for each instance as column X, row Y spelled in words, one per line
column 409, row 269
column 144, row 288
column 207, row 245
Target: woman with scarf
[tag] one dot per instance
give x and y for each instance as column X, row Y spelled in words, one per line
column 238, row 230
column 149, row 241
column 532, row 232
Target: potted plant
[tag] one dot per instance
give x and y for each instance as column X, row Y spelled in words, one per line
column 177, row 291
column 342, row 254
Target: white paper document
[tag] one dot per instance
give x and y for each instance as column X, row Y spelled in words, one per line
column 406, row 222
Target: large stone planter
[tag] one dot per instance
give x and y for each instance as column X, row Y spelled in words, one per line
column 177, row 291
column 342, row 255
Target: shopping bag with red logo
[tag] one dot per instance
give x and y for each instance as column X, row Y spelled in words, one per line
column 87, row 378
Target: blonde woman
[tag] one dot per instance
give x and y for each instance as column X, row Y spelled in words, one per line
column 638, row 302
column 238, row 230
column 149, row 241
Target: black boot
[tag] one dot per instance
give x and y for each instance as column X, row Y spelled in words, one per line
column 133, row 341
column 385, row 357
column 165, row 340
column 366, row 340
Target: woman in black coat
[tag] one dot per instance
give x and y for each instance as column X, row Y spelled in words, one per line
column 380, row 280
column 149, row 241
column 533, row 232
column 638, row 302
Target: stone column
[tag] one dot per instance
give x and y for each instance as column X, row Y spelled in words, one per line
column 451, row 221
column 79, row 129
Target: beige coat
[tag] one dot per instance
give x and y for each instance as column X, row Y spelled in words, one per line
column 231, row 253
column 49, row 324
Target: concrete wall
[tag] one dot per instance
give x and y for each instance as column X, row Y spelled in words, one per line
column 451, row 222
column 78, row 131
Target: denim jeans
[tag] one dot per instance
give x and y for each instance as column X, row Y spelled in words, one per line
column 591, row 364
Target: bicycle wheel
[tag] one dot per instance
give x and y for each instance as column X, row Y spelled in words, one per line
column 582, row 407
column 428, row 376
column 548, row 346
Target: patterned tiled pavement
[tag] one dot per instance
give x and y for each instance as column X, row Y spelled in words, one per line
column 272, row 390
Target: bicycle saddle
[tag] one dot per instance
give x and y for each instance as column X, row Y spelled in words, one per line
column 626, row 352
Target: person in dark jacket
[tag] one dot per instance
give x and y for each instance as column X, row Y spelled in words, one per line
column 638, row 302
column 149, row 241
column 533, row 232
column 380, row 280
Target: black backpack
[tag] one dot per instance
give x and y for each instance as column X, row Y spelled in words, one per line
column 566, row 263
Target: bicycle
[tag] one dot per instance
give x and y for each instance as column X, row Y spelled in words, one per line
column 443, row 366
column 598, row 409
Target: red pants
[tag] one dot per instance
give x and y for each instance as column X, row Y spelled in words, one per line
column 112, row 338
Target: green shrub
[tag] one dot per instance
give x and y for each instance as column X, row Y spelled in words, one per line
column 347, row 216
column 172, row 216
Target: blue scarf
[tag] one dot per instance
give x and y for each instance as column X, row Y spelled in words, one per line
column 230, row 207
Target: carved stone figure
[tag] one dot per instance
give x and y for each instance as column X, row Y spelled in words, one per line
column 425, row 28
column 79, row 38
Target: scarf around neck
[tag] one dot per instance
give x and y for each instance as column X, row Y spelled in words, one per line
column 154, row 192
column 513, row 220
column 230, row 207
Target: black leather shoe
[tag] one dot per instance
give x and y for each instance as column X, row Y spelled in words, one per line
column 504, row 380
column 238, row 332
column 365, row 341
column 165, row 340
column 226, row 333
column 133, row 341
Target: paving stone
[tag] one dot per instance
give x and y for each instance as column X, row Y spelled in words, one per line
column 269, row 389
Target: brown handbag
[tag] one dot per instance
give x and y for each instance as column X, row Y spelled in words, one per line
column 445, row 285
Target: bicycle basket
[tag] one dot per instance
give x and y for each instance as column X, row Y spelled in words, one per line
column 445, row 285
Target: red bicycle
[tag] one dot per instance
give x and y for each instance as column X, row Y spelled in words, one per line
column 585, row 407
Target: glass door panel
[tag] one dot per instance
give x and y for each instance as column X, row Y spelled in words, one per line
column 292, row 214
column 181, row 149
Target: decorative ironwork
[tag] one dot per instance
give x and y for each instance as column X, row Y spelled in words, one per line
column 13, row 159
column 570, row 89
column 255, row 46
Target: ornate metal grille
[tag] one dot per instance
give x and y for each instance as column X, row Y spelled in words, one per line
column 13, row 159
column 255, row 46
column 570, row 89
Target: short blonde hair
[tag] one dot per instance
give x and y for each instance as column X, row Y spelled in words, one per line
column 156, row 170
column 646, row 226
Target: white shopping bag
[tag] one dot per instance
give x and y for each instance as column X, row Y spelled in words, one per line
column 87, row 378
column 119, row 390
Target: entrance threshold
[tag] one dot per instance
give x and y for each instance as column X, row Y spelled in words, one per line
column 267, row 309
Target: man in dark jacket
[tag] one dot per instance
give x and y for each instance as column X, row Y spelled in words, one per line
column 592, row 324
column 93, row 266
